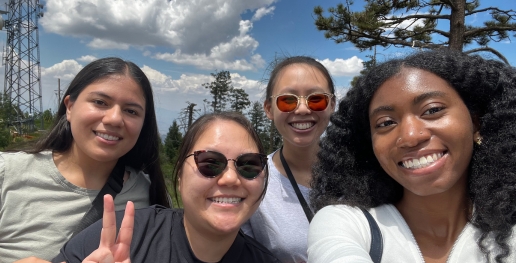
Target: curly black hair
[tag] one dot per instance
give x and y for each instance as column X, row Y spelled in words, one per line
column 347, row 171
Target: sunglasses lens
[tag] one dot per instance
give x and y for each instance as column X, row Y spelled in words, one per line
column 210, row 164
column 318, row 102
column 250, row 165
column 286, row 103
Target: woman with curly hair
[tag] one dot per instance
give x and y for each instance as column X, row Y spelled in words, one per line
column 426, row 145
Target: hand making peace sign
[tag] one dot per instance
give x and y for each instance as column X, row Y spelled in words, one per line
column 112, row 249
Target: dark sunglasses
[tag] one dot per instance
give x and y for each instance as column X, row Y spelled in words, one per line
column 314, row 101
column 211, row 164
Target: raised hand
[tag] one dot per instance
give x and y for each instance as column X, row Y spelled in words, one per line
column 112, row 249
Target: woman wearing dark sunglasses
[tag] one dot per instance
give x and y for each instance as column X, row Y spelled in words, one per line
column 300, row 99
column 221, row 174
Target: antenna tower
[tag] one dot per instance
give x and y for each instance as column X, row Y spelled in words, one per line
column 22, row 66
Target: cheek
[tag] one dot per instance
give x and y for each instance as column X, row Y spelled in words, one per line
column 256, row 186
column 135, row 127
column 381, row 152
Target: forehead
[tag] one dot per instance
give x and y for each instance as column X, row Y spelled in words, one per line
column 117, row 83
column 300, row 76
column 225, row 135
column 408, row 84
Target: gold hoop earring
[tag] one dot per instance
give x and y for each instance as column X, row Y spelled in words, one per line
column 478, row 140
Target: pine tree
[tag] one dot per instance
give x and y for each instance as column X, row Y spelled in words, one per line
column 413, row 23
column 239, row 100
column 219, row 90
column 173, row 141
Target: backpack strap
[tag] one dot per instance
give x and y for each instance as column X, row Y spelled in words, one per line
column 376, row 249
column 113, row 186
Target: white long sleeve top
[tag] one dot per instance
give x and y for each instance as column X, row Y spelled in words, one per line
column 340, row 233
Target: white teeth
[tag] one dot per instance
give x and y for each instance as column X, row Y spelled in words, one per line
column 302, row 125
column 107, row 137
column 227, row 200
column 422, row 162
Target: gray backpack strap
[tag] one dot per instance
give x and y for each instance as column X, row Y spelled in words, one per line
column 376, row 249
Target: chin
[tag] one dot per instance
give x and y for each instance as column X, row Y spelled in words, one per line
column 227, row 225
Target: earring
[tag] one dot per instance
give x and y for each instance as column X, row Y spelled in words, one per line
column 478, row 140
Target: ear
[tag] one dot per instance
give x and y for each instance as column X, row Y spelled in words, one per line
column 267, row 108
column 68, row 104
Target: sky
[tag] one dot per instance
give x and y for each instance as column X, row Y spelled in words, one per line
column 178, row 43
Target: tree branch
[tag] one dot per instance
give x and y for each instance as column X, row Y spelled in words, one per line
column 507, row 12
column 420, row 17
column 488, row 49
column 479, row 30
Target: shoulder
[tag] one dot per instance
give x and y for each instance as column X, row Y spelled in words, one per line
column 153, row 214
column 135, row 189
column 138, row 174
column 254, row 251
column 16, row 163
column 23, row 159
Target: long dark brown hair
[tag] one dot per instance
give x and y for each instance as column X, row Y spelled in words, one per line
column 145, row 153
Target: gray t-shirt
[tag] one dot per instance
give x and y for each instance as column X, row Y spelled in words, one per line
column 280, row 224
column 39, row 208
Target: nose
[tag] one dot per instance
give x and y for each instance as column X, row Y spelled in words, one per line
column 230, row 176
column 302, row 107
column 412, row 132
column 113, row 116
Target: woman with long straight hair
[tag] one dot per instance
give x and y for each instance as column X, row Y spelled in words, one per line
column 300, row 97
column 105, row 137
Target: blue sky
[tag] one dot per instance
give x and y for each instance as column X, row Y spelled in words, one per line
column 179, row 43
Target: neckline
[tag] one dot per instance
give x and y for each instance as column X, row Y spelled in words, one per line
column 413, row 238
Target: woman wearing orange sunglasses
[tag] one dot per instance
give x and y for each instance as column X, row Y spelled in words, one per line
column 300, row 99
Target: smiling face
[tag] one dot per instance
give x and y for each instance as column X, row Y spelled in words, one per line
column 301, row 127
column 422, row 132
column 106, row 118
column 220, row 205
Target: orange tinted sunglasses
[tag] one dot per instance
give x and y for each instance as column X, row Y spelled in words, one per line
column 314, row 101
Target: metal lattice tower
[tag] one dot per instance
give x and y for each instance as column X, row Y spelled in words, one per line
column 22, row 65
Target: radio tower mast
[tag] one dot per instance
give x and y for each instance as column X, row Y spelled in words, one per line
column 22, row 66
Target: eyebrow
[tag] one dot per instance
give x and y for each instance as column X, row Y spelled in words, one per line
column 427, row 95
column 416, row 100
column 104, row 95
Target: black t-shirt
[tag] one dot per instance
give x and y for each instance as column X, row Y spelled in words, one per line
column 159, row 236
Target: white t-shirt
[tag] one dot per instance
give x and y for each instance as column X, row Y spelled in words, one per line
column 340, row 233
column 280, row 224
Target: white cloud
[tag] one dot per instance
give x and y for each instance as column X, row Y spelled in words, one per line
column 407, row 24
column 154, row 76
column 107, row 44
column 194, row 29
column 87, row 58
column 343, row 67
column 64, row 70
column 263, row 11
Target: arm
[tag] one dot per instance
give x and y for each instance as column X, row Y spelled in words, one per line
column 31, row 260
column 339, row 234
